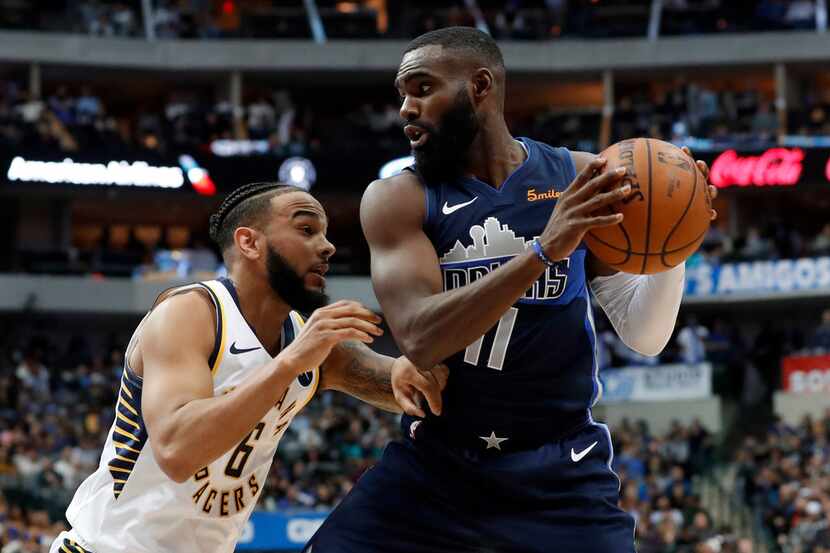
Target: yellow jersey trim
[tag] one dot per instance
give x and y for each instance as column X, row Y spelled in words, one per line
column 220, row 328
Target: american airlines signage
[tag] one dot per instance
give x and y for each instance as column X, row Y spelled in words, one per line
column 117, row 173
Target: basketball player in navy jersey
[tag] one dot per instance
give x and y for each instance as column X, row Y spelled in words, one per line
column 478, row 261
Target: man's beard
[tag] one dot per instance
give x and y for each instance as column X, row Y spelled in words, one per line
column 290, row 286
column 444, row 156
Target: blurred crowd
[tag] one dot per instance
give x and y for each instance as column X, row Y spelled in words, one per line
column 775, row 240
column 685, row 110
column 57, row 408
column 727, row 118
column 785, row 474
column 506, row 19
column 77, row 120
column 656, row 489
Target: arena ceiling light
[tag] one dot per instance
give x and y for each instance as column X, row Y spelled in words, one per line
column 231, row 148
column 198, row 176
column 298, row 171
column 396, row 166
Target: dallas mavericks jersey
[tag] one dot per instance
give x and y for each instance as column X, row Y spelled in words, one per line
column 130, row 505
column 536, row 366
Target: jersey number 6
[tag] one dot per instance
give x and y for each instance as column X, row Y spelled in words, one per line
column 236, row 464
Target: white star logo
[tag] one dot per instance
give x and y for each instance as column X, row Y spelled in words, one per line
column 493, row 441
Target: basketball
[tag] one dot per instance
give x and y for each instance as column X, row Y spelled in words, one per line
column 666, row 215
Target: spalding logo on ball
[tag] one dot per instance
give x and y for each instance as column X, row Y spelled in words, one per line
column 666, row 215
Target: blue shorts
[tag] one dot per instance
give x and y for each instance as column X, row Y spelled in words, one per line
column 423, row 497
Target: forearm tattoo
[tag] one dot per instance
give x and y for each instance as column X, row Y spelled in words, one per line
column 368, row 376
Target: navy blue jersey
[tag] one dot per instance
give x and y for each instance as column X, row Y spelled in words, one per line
column 536, row 367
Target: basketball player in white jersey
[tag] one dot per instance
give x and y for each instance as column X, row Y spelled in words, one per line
column 214, row 374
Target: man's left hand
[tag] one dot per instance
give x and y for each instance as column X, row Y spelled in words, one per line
column 704, row 168
column 410, row 385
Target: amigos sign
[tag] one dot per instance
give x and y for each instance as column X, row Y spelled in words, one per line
column 778, row 167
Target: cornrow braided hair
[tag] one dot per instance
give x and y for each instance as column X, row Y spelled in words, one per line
column 238, row 208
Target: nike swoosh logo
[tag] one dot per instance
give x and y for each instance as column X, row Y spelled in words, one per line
column 234, row 350
column 446, row 210
column 577, row 457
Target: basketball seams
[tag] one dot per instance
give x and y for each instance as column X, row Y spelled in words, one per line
column 648, row 254
column 676, row 223
column 663, row 251
column 648, row 213
column 628, row 248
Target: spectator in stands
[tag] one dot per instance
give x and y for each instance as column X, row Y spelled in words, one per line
column 755, row 245
column 88, row 107
column 63, row 106
column 33, row 375
column 201, row 259
column 770, row 14
column 820, row 245
column 690, row 341
column 764, row 122
column 166, row 20
column 29, row 108
column 68, row 468
column 821, row 336
column 261, row 118
column 801, row 14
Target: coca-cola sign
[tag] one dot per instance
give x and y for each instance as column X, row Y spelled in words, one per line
column 774, row 167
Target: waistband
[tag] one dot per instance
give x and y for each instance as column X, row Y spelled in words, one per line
column 477, row 442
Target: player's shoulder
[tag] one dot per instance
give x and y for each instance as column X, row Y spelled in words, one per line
column 395, row 196
column 405, row 182
column 184, row 310
column 561, row 155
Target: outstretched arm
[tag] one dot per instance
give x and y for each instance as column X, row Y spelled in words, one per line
column 385, row 382
column 430, row 324
column 641, row 308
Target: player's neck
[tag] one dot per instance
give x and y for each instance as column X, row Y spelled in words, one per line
column 264, row 310
column 495, row 154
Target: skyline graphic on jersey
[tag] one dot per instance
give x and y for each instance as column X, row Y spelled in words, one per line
column 490, row 240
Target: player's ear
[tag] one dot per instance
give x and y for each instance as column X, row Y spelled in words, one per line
column 245, row 239
column 482, row 83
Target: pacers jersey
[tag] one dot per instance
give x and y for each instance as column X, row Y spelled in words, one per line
column 536, row 367
column 130, row 505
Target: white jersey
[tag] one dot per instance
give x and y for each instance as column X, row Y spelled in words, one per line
column 130, row 505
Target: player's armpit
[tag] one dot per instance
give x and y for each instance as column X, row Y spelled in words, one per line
column 595, row 267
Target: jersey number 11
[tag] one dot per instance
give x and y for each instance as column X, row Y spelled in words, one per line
column 499, row 350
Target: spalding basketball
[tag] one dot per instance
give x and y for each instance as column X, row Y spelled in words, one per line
column 666, row 215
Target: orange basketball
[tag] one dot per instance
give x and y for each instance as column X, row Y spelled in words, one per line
column 666, row 215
